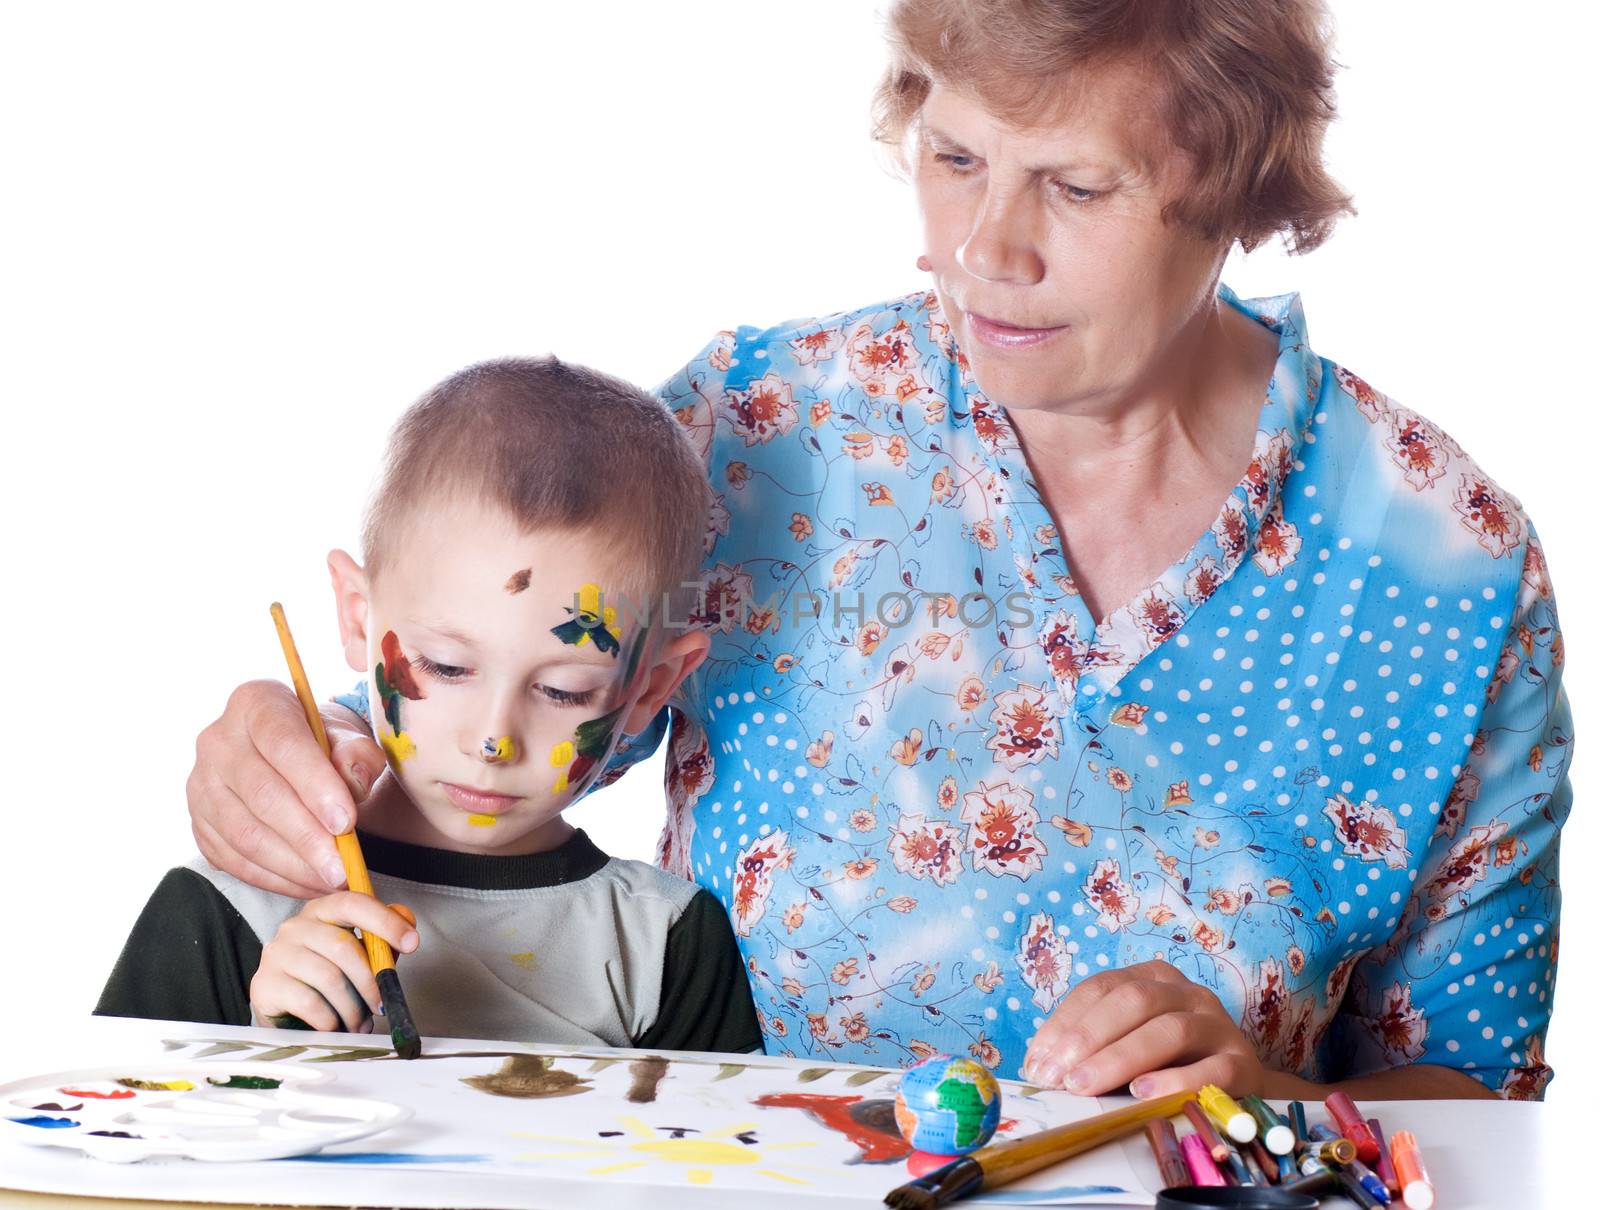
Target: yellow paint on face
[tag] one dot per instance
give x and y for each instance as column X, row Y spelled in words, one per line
column 502, row 748
column 561, row 783
column 482, row 821
column 562, row 753
column 398, row 746
column 589, row 604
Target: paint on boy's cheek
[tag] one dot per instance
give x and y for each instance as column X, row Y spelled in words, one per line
column 519, row 581
column 394, row 679
column 590, row 622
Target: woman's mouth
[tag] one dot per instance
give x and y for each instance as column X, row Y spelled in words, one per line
column 479, row 802
column 1001, row 335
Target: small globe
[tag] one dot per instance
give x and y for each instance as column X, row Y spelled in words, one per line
column 947, row 1106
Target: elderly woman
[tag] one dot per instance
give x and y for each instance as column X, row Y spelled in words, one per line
column 1103, row 683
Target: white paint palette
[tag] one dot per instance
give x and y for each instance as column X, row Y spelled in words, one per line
column 226, row 1112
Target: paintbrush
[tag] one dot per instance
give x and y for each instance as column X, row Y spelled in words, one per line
column 1001, row 1163
column 402, row 1029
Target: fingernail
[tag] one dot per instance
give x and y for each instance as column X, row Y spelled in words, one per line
column 360, row 780
column 408, row 942
column 337, row 819
column 1140, row 1087
column 333, row 872
column 1077, row 1079
column 1048, row 1074
column 366, row 1026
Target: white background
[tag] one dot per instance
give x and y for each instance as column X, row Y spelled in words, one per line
column 239, row 239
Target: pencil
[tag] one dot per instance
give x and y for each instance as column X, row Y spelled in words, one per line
column 402, row 1029
column 1001, row 1163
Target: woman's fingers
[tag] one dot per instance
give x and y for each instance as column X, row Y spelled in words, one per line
column 1160, row 1041
column 1058, row 1044
column 220, row 854
column 1238, row 1072
column 356, row 755
column 1068, row 1056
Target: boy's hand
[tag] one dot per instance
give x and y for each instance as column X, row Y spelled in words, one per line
column 316, row 970
column 263, row 800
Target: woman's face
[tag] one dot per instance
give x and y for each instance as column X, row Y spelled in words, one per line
column 1060, row 281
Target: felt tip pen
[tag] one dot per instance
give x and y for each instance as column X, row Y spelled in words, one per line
column 1363, row 1175
column 1353, row 1126
column 1330, row 1147
column 1206, row 1131
column 1246, row 1157
column 1415, row 1187
column 1273, row 1131
column 1202, row 1168
column 1356, row 1191
column 1297, row 1122
column 1385, row 1164
column 1227, row 1113
column 1286, row 1169
column 1265, row 1160
column 1169, row 1158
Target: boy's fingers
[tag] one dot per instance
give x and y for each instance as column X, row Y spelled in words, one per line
column 327, row 979
column 340, row 947
column 349, row 910
column 289, row 997
column 217, row 852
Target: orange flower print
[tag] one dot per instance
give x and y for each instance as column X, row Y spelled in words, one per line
column 869, row 636
column 1506, row 850
column 800, row 526
column 783, row 663
column 933, row 645
column 1466, row 863
column 818, row 1024
column 1536, row 758
column 905, row 751
column 1001, row 836
column 925, row 848
column 876, row 359
column 861, row 868
column 1266, row 1005
column 1399, row 1028
column 1159, row 914
column 1277, row 887
column 855, row 1027
column 985, row 1051
column 763, row 411
column 722, row 356
column 820, row 411
column 1219, row 900
column 877, row 495
column 988, row 978
column 1044, row 960
column 843, row 568
column 1368, row 831
column 844, row 971
column 1461, row 797
column 819, row 750
column 1296, row 958
column 983, row 534
column 816, row 346
column 903, row 904
column 1277, row 542
column 1130, row 714
column 971, row 694
column 863, row 820
column 726, row 590
column 1485, row 512
column 924, row 980
column 1119, row 780
column 858, row 445
column 1419, row 449
column 794, row 916
column 1231, row 531
column 792, row 986
column 1526, row 1083
column 1079, row 834
column 1168, row 863
column 921, row 1050
column 1110, row 896
column 947, row 794
column 1371, row 403
column 1210, row 939
column 738, row 474
column 757, row 621
column 897, row 450
column 1204, row 578
column 941, row 605
column 752, row 883
column 1206, row 838
column 1178, row 794
column 1157, row 615
column 1026, row 727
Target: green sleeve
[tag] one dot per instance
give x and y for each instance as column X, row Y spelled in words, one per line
column 705, row 996
column 190, row 957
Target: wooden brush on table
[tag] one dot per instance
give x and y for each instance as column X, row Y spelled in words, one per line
column 380, row 957
column 1001, row 1163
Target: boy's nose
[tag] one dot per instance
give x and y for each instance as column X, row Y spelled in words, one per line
column 498, row 750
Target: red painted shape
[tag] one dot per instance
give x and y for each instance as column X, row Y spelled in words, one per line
column 397, row 668
column 121, row 1094
column 877, row 1146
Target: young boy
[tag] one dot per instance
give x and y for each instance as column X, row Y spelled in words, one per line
column 521, row 503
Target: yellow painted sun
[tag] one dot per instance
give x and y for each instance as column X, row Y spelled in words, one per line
column 639, row 1144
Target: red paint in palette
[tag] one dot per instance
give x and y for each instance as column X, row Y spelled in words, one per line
column 120, row 1094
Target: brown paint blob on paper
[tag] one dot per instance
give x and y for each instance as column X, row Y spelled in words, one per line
column 520, row 581
column 647, row 1076
column 529, row 1076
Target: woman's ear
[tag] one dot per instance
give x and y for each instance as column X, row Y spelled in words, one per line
column 678, row 657
column 351, row 601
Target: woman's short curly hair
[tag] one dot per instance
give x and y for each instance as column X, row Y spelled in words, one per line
column 1246, row 91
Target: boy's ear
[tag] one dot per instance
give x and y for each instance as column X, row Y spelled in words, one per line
column 678, row 657
column 351, row 601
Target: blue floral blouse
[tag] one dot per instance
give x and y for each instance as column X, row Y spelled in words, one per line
column 1319, row 765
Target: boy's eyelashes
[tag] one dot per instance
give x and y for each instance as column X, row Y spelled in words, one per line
column 454, row 672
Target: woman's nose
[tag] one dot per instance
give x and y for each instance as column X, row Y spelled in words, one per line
column 1001, row 246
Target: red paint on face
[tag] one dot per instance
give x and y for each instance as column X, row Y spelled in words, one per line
column 397, row 669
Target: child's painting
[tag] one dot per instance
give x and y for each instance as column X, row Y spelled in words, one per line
column 492, row 1124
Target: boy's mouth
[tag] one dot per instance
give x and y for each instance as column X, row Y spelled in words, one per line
column 479, row 802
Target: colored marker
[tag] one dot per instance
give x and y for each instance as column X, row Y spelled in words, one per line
column 1202, row 1168
column 1330, row 1148
column 1227, row 1114
column 1264, row 1159
column 1286, row 1169
column 1254, row 1175
column 1274, row 1131
column 1415, row 1187
column 1206, row 1131
column 1351, row 1124
column 1169, row 1157
column 1297, row 1120
column 1356, row 1191
column 1385, row 1167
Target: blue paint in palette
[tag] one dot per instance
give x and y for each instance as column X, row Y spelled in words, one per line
column 45, row 1122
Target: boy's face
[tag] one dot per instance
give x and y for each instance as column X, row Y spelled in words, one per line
column 495, row 704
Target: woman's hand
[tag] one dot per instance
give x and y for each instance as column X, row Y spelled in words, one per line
column 263, row 800
column 316, row 970
column 1147, row 1026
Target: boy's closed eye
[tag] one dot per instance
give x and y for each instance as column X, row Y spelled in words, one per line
column 455, row 672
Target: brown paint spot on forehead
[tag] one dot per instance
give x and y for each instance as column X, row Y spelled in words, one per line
column 520, row 581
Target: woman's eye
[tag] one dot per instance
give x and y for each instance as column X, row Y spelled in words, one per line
column 1076, row 194
column 956, row 163
column 442, row 672
column 563, row 697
